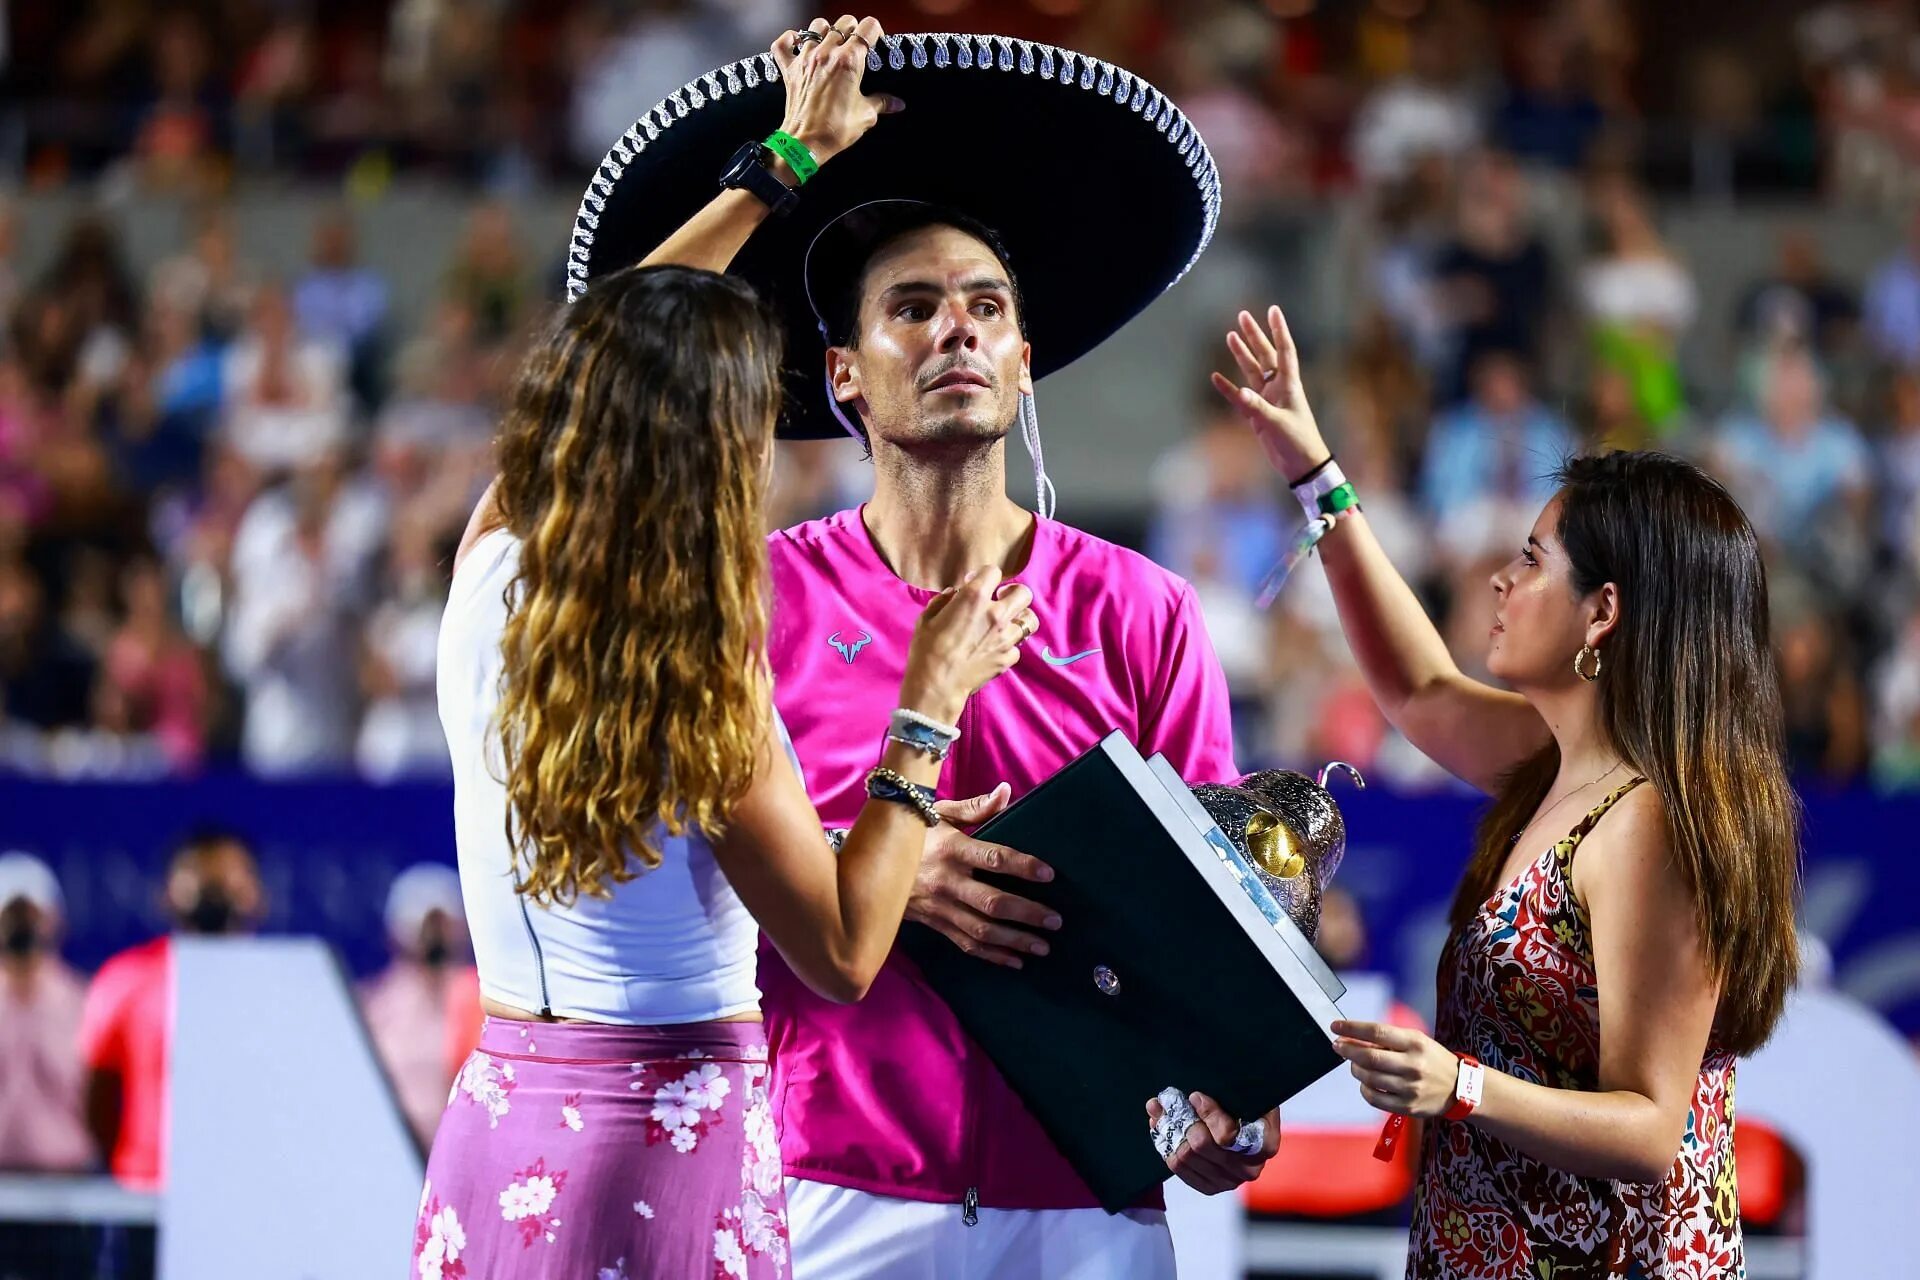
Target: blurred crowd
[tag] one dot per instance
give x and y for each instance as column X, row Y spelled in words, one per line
column 83, row 1075
column 228, row 500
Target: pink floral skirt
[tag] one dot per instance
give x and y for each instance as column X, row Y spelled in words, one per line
column 606, row 1153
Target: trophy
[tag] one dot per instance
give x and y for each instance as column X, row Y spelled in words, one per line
column 1286, row 838
column 1289, row 836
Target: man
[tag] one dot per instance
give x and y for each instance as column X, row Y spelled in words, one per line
column 423, row 1010
column 213, row 887
column 41, row 1127
column 907, row 1153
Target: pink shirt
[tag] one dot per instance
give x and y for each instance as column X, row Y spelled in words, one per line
column 42, row 1124
column 127, row 1030
column 890, row 1095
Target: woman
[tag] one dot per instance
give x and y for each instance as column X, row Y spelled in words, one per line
column 1625, row 927
column 628, row 819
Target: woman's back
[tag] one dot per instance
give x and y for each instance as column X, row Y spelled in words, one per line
column 674, row 945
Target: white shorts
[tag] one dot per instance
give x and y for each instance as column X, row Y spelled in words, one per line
column 842, row 1234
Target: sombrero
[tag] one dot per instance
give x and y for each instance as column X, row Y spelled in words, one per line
column 1100, row 189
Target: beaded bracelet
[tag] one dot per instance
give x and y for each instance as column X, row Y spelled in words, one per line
column 886, row 784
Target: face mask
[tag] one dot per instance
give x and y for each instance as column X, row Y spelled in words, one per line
column 21, row 940
column 213, row 913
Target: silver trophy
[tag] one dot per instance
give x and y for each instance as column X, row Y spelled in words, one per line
column 1289, row 832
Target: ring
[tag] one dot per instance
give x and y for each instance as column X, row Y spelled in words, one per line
column 1268, row 375
column 805, row 38
column 1030, row 626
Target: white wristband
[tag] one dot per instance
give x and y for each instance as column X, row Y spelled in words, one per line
column 1324, row 481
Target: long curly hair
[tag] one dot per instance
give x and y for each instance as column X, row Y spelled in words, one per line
column 1690, row 698
column 633, row 465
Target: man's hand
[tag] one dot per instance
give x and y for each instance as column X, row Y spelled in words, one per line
column 947, row 897
column 1203, row 1160
column 825, row 108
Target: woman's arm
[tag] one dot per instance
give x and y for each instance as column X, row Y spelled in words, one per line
column 825, row 110
column 1474, row 731
column 1657, row 1003
column 834, row 917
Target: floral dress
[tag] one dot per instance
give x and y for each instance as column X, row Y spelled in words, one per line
column 584, row 1152
column 1518, row 991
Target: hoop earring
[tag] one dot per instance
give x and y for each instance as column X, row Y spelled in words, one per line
column 1587, row 651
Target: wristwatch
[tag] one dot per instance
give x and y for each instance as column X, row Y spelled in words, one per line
column 1468, row 1087
column 751, row 169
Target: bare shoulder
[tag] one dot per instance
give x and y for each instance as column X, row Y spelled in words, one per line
column 1628, row 854
column 484, row 520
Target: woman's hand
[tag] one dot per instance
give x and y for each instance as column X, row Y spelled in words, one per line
column 1400, row 1070
column 965, row 637
column 1272, row 401
column 825, row 108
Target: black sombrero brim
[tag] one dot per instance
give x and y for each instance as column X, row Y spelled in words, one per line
column 1100, row 189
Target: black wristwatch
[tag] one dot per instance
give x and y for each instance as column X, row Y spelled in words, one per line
column 752, row 170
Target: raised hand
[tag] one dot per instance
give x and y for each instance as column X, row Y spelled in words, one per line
column 1270, row 396
column 825, row 106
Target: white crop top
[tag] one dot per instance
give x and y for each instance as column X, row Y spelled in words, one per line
column 674, row 945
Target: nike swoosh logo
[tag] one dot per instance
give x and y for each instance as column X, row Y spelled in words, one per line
column 1069, row 660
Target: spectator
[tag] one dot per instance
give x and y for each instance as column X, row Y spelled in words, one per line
column 1546, row 116
column 302, row 560
column 1428, row 111
column 423, row 1009
column 1826, row 716
column 43, row 1127
column 174, row 400
column 344, row 304
column 46, row 675
column 186, row 124
column 1800, row 302
column 210, row 282
column 1898, row 467
column 1214, row 501
column 42, row 1121
column 153, row 681
column 1896, row 716
column 400, row 736
column 1893, row 303
column 1640, row 302
column 1493, row 279
column 488, row 275
column 213, row 887
column 1801, row 473
column 286, row 401
column 1495, row 450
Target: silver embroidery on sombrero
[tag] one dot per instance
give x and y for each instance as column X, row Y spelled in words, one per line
column 975, row 52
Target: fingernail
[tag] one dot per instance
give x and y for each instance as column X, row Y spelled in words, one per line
column 1038, row 948
column 971, row 575
column 1053, row 922
column 1045, row 874
column 1014, row 963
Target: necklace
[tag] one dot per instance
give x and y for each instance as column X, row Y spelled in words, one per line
column 1541, row 816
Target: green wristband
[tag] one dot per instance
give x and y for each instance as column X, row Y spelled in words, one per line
column 1337, row 500
column 795, row 153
